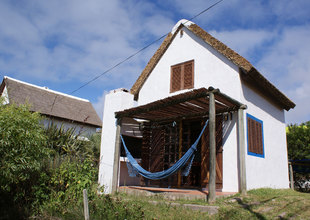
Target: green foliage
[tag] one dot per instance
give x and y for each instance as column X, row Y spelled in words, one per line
column 22, row 151
column 42, row 169
column 298, row 141
column 68, row 181
column 21, row 145
column 298, row 144
column 71, row 168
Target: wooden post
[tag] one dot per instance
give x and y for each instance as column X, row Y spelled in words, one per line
column 116, row 157
column 180, row 151
column 212, row 132
column 291, row 175
column 241, row 151
column 85, row 200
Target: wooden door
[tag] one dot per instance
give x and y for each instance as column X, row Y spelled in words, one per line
column 219, row 155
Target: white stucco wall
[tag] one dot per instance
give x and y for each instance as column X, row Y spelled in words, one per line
column 230, row 155
column 272, row 170
column 80, row 130
column 116, row 100
column 213, row 69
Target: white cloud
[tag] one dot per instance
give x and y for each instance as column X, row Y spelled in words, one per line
column 287, row 63
column 75, row 40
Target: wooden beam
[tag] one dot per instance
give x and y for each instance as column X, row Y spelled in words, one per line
column 115, row 176
column 226, row 99
column 241, row 152
column 195, row 94
column 212, row 133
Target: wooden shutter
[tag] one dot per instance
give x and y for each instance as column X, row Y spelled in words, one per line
column 176, row 78
column 255, row 136
column 182, row 76
column 188, row 75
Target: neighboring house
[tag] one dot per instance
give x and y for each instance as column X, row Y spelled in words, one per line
column 58, row 108
column 165, row 109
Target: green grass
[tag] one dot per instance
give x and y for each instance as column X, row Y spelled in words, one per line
column 257, row 204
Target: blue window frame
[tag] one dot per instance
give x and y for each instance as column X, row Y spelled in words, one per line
column 255, row 136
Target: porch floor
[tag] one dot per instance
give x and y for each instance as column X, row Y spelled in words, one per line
column 172, row 194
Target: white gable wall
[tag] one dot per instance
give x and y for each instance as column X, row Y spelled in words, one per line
column 213, row 69
column 209, row 69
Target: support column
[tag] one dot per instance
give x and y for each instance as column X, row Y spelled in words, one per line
column 115, row 177
column 180, row 151
column 241, row 151
column 212, row 134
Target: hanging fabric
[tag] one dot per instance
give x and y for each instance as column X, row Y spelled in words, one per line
column 134, row 168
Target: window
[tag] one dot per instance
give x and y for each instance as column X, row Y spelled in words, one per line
column 255, row 136
column 182, row 76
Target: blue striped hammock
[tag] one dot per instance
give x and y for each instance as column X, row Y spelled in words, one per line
column 134, row 168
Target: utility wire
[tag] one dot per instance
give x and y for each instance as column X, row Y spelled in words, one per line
column 139, row 51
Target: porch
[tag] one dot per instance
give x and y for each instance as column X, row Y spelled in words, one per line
column 197, row 105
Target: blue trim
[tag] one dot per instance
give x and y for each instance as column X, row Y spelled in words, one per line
column 261, row 122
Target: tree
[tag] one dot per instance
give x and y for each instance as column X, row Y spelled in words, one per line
column 298, row 144
column 298, row 141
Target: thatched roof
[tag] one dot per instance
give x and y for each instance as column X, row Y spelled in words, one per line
column 50, row 103
column 247, row 70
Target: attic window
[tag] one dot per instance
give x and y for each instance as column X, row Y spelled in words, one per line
column 182, row 76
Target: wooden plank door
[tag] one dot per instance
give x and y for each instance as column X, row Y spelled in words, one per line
column 219, row 155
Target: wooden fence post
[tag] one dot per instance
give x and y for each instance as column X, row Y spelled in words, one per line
column 291, row 175
column 85, row 200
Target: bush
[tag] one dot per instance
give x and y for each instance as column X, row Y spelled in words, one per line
column 22, row 153
column 67, row 183
column 42, row 170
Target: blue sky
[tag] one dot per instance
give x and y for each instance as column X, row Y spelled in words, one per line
column 63, row 44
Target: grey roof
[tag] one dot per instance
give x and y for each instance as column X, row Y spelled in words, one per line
column 50, row 103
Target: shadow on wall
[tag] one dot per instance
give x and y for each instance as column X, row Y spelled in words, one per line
column 252, row 96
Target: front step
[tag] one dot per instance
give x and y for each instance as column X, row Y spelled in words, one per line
column 170, row 194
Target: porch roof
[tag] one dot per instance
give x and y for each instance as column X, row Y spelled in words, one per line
column 186, row 105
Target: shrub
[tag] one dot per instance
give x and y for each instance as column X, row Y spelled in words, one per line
column 22, row 152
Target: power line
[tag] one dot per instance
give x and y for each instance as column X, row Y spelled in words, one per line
column 139, row 51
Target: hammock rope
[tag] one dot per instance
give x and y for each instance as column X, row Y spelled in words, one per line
column 134, row 168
